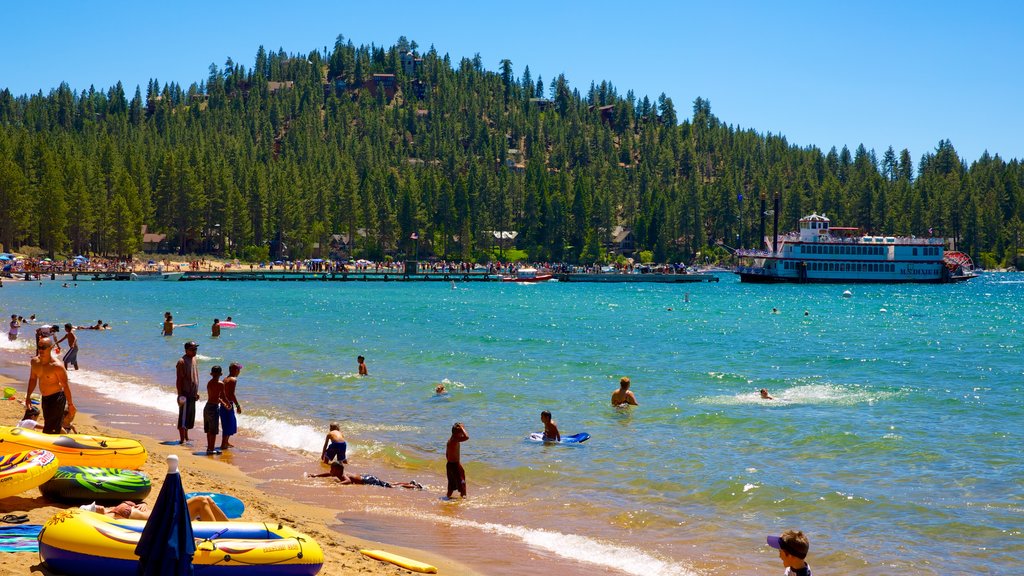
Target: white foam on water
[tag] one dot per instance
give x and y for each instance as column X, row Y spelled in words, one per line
column 834, row 394
column 15, row 345
column 625, row 559
column 132, row 391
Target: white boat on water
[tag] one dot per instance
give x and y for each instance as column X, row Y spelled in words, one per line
column 528, row 275
column 822, row 253
column 144, row 276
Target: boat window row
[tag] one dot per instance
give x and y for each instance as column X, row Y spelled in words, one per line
column 839, row 249
column 927, row 251
column 842, row 266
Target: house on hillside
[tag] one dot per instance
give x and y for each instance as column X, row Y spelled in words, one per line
column 336, row 86
column 411, row 64
column 607, row 112
column 542, row 103
column 621, row 241
column 275, row 86
column 153, row 242
column 385, row 82
column 341, row 245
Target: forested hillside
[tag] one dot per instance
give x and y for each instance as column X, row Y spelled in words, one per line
column 301, row 147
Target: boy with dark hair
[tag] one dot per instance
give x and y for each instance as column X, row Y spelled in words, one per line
column 793, row 547
column 211, row 412
column 551, row 433
column 453, row 455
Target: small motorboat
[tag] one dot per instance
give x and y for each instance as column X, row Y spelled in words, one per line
column 528, row 275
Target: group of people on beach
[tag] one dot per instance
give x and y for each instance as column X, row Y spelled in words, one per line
column 221, row 403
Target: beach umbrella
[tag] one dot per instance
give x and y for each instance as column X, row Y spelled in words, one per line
column 166, row 545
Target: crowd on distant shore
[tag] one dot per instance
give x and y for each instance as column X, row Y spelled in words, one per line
column 30, row 268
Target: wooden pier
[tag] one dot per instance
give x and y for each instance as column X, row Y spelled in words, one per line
column 352, row 276
column 373, row 276
column 644, row 278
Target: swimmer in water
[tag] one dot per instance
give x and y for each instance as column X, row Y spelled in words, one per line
column 551, row 433
column 765, row 395
column 440, row 390
column 624, row 396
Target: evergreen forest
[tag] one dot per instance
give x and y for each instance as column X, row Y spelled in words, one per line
column 367, row 151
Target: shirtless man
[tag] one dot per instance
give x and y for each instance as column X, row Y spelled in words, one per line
column 453, row 455
column 215, row 329
column 228, row 422
column 168, row 329
column 72, row 356
column 550, row 428
column 51, row 376
column 211, row 412
column 187, row 384
column 362, row 366
column 623, row 395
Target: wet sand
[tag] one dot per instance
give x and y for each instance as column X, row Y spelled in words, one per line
column 199, row 473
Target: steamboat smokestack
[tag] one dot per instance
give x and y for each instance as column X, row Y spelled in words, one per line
column 775, row 225
column 760, row 235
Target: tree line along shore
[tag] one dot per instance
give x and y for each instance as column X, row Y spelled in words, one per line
column 372, row 151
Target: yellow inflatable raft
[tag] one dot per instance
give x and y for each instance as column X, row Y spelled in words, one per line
column 76, row 449
column 25, row 470
column 402, row 561
column 77, row 542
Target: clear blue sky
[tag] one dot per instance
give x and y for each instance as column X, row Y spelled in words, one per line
column 905, row 74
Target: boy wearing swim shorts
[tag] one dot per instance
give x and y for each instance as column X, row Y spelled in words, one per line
column 456, row 474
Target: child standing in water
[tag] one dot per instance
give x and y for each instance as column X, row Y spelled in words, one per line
column 453, row 455
column 362, row 365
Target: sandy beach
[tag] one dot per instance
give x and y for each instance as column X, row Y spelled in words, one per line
column 200, row 474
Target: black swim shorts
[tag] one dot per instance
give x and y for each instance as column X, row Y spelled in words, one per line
column 211, row 418
column 456, row 478
column 187, row 415
column 53, row 412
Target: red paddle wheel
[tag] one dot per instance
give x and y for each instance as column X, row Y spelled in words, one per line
column 958, row 263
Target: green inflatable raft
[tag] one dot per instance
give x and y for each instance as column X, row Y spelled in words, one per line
column 91, row 484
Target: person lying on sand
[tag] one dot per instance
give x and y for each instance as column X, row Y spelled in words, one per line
column 374, row 481
column 200, row 508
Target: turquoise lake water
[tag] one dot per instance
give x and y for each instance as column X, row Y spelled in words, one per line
column 894, row 440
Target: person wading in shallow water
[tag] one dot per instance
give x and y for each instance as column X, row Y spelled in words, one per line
column 623, row 395
column 228, row 421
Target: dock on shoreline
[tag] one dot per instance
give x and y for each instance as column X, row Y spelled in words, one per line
column 373, row 276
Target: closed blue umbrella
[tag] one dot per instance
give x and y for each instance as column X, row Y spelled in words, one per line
column 167, row 545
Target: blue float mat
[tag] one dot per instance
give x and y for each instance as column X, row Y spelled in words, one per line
column 232, row 507
column 20, row 538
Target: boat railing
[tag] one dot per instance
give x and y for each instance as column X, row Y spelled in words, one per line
column 867, row 240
